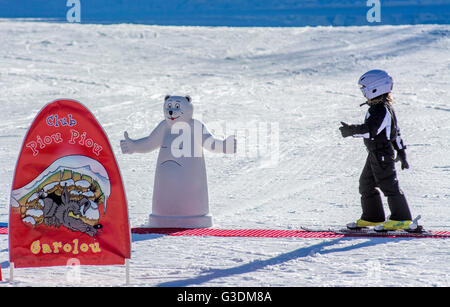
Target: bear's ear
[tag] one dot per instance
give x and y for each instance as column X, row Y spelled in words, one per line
column 167, row 97
column 189, row 98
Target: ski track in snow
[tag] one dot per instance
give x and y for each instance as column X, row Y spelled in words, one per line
column 304, row 80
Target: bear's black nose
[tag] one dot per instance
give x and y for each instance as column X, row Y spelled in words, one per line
column 170, row 112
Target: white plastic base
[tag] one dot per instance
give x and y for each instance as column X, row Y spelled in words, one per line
column 199, row 221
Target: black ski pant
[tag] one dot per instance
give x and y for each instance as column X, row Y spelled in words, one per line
column 379, row 171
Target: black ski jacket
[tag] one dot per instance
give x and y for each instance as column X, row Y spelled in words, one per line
column 380, row 129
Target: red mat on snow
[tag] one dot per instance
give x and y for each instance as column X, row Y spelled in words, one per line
column 273, row 233
column 266, row 233
column 261, row 233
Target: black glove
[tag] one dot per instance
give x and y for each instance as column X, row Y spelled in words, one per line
column 346, row 130
column 401, row 156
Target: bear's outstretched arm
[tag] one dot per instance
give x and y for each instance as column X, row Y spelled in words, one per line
column 144, row 145
column 210, row 143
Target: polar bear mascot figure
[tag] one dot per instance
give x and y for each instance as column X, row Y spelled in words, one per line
column 180, row 194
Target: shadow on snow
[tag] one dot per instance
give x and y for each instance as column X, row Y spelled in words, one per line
column 282, row 258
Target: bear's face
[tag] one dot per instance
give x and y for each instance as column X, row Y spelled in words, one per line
column 177, row 108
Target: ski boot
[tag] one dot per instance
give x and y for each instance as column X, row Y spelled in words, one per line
column 406, row 225
column 361, row 224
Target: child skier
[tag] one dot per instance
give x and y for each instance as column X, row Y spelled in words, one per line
column 381, row 136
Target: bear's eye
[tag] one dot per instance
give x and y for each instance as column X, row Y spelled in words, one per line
column 177, row 106
column 169, row 106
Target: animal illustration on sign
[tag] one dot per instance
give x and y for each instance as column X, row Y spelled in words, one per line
column 69, row 193
column 67, row 212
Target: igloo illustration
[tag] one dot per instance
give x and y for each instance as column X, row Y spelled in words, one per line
column 71, row 193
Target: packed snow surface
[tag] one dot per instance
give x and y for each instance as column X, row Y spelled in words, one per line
column 298, row 83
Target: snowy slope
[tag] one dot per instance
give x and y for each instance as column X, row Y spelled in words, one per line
column 301, row 80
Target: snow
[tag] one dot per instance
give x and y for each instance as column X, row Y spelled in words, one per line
column 82, row 183
column 300, row 82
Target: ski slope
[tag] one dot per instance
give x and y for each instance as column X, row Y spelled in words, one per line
column 299, row 81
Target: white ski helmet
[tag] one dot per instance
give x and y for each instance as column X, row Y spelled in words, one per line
column 375, row 83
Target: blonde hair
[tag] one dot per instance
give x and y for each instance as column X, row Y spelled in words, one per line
column 382, row 99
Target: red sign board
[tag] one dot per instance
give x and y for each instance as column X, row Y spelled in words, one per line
column 67, row 198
